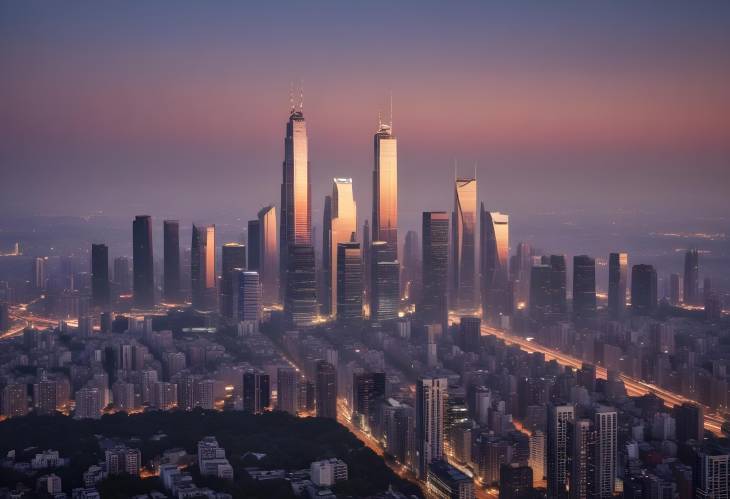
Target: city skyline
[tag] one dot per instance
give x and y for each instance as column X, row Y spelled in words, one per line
column 651, row 114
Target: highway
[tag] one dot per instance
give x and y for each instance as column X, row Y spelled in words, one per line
column 634, row 387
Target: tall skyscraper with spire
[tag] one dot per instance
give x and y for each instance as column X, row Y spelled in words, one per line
column 463, row 244
column 297, row 268
column 385, row 188
column 340, row 226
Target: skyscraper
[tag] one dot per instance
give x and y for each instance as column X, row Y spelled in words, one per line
column 463, row 244
column 606, row 426
column 326, row 390
column 494, row 248
column 296, row 255
column 287, row 390
column 690, row 422
column 122, row 275
column 368, row 390
column 692, row 277
column 643, row 289
column 340, row 227
column 349, row 282
column 233, row 256
column 253, row 243
column 558, row 285
column 384, row 289
column 583, row 472
column 300, row 301
column 39, row 274
column 435, row 266
column 559, row 420
column 385, row 188
column 521, row 273
column 675, row 289
column 431, row 394
column 618, row 270
column 269, row 255
column 540, row 292
column 410, row 281
column 202, row 267
column 172, row 281
column 100, row 287
column 143, row 269
column 247, row 304
column 584, row 286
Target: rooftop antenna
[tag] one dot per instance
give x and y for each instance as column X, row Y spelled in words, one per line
column 475, row 170
column 391, row 110
column 301, row 96
column 291, row 97
column 380, row 120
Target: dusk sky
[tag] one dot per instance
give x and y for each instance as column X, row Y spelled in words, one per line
column 179, row 108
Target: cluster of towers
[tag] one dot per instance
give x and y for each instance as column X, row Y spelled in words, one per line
column 360, row 276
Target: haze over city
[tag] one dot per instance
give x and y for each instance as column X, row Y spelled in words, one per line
column 388, row 250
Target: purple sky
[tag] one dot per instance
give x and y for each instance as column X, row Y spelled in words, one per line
column 178, row 108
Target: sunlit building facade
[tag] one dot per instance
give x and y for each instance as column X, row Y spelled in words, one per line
column 463, row 245
column 339, row 227
column 296, row 253
column 202, row 267
column 385, row 188
column 494, row 249
column 269, row 255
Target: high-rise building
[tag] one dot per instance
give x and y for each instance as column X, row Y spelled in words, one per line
column 4, row 316
column 540, row 292
column 435, row 266
column 384, row 288
column 202, row 267
column 14, row 400
column 692, row 277
column 471, row 333
column 349, row 282
column 144, row 275
column 584, row 286
column 269, row 255
column 287, row 389
column 256, row 392
column 520, row 271
column 253, row 243
column 326, row 390
column 643, row 289
column 559, row 420
column 431, row 395
column 536, row 460
column 385, row 188
column 618, row 274
column 368, row 389
column 366, row 261
column 515, row 481
column 606, row 426
column 100, row 284
column 494, row 249
column 558, row 285
column 583, row 471
column 247, row 304
column 300, row 301
column 339, row 227
column 39, row 274
column 463, row 244
column 410, row 281
column 233, row 257
column 122, row 274
column 296, row 255
column 172, row 282
column 690, row 420
column 713, row 474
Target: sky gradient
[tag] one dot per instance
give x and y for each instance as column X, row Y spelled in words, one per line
column 178, row 109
